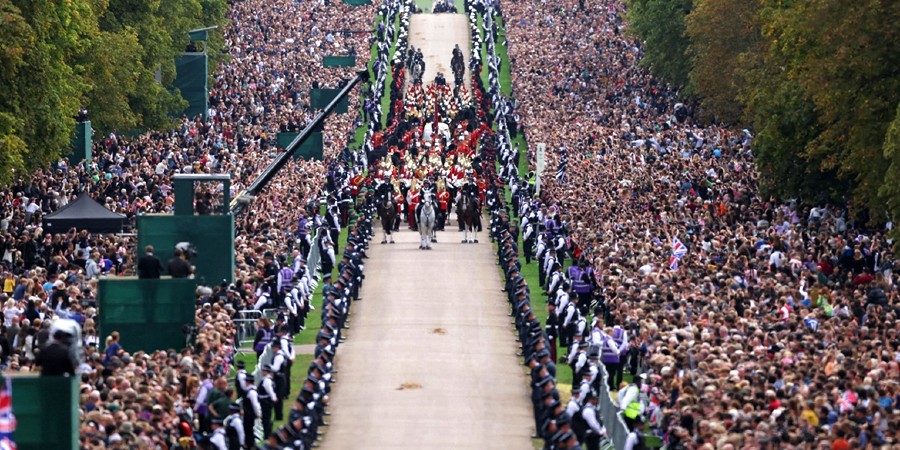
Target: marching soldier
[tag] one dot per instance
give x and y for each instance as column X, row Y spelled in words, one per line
column 413, row 198
column 400, row 201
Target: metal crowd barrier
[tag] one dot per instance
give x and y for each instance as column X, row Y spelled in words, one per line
column 271, row 313
column 616, row 430
column 245, row 321
column 245, row 326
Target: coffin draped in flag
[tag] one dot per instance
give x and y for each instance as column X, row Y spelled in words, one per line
column 7, row 418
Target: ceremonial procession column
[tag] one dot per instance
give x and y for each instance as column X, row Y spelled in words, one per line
column 431, row 362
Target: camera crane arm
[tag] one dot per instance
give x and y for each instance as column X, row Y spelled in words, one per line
column 243, row 200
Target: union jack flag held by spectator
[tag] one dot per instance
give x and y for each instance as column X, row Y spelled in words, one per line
column 7, row 418
column 678, row 251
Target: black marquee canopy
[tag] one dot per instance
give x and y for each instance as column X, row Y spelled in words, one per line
column 84, row 214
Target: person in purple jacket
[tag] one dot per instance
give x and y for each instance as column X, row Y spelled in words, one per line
column 582, row 284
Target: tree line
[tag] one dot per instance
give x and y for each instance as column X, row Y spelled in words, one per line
column 818, row 82
column 114, row 58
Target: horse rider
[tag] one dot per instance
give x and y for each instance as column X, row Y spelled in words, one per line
column 430, row 188
column 470, row 189
column 382, row 189
column 428, row 191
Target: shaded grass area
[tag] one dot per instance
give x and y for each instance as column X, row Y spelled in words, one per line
column 460, row 6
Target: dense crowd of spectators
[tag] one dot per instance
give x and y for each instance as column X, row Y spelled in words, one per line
column 778, row 328
column 136, row 400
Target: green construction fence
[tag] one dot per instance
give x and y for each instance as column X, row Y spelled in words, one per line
column 148, row 314
column 46, row 410
column 312, row 147
column 211, row 235
column 339, row 61
column 320, row 98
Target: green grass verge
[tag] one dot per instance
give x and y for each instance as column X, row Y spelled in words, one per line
column 425, row 5
column 359, row 134
column 503, row 51
column 389, row 79
column 530, row 271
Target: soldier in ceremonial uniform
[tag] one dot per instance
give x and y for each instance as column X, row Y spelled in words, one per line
column 413, row 197
column 383, row 189
column 443, row 198
column 400, row 201
column 471, row 189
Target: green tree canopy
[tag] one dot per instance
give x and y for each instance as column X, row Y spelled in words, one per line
column 817, row 80
column 725, row 41
column 660, row 24
column 113, row 57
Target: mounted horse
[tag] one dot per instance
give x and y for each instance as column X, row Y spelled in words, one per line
column 387, row 211
column 425, row 216
column 469, row 214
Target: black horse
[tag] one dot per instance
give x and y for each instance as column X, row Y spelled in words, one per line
column 469, row 215
column 387, row 210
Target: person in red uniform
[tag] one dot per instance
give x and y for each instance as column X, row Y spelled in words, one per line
column 398, row 200
column 482, row 190
column 444, row 204
column 413, row 197
column 355, row 183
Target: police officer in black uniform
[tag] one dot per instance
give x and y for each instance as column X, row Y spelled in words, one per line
column 268, row 395
column 270, row 272
column 250, row 405
column 234, row 429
